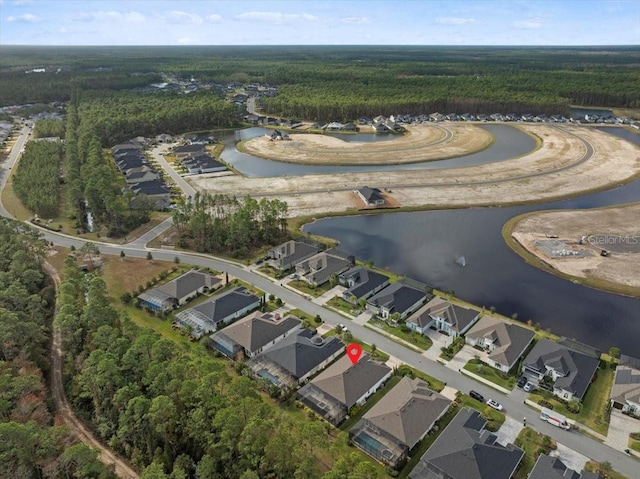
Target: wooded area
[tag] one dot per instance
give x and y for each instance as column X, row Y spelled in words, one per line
column 48, row 128
column 31, row 446
column 37, row 179
column 176, row 412
column 223, row 224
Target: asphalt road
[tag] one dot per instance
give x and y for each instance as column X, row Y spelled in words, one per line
column 12, row 159
column 514, row 408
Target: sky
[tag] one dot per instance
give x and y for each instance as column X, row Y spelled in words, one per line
column 312, row 22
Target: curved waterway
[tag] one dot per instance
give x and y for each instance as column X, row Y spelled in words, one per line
column 425, row 246
column 509, row 143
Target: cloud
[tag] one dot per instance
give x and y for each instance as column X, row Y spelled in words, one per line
column 214, row 18
column 533, row 22
column 19, row 3
column 276, row 17
column 25, row 18
column 185, row 18
column 355, row 20
column 109, row 16
column 454, row 20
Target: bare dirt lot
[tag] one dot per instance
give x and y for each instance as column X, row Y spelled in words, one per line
column 564, row 165
column 617, row 226
column 420, row 143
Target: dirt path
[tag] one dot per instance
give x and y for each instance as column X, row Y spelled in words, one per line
column 63, row 407
column 420, row 143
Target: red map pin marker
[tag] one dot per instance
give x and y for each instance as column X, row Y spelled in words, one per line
column 354, row 351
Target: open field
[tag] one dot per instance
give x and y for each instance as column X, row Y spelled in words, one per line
column 420, row 143
column 615, row 228
column 563, row 166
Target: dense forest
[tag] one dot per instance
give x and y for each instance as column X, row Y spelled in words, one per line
column 179, row 413
column 37, row 179
column 31, row 445
column 223, row 224
column 48, row 128
column 326, row 82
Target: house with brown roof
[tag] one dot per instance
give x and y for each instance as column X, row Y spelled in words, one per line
column 444, row 316
column 334, row 391
column 625, row 392
column 253, row 334
column 504, row 342
column 401, row 419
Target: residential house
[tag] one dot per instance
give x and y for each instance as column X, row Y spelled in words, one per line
column 466, row 450
column 222, row 309
column 203, row 164
column 185, row 151
column 361, row 283
column 296, row 358
column 156, row 191
column 334, row 391
column 178, row 291
column 140, row 176
column 443, row 316
column 401, row 419
column 398, row 298
column 333, row 126
column 570, row 371
column 370, row 196
column 625, row 392
column 547, row 467
column 286, row 255
column 504, row 342
column 437, row 117
column 254, row 334
column 126, row 147
column 164, row 138
column 319, row 269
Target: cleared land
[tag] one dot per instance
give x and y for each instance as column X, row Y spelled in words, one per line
column 420, row 143
column 614, row 229
column 563, row 166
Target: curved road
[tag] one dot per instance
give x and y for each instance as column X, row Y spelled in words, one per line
column 513, row 402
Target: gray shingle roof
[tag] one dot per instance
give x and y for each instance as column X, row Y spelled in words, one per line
column 320, row 267
column 458, row 316
column 188, row 283
column 578, row 367
column 364, row 279
column 371, row 195
column 224, row 305
column 257, row 330
column 301, row 352
column 509, row 339
column 626, row 385
column 291, row 252
column 465, row 450
column 547, row 467
column 348, row 382
column 408, row 411
column 397, row 298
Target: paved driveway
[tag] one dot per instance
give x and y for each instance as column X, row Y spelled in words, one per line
column 572, row 459
column 439, row 341
column 508, row 431
column 619, row 429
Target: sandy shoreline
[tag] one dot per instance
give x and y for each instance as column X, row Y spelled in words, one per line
column 611, row 225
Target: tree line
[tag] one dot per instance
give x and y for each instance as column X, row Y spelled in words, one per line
column 226, row 224
column 31, row 445
column 179, row 413
column 36, row 181
column 48, row 128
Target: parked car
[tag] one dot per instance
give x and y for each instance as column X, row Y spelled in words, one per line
column 494, row 404
column 260, row 261
column 293, row 276
column 522, row 381
column 477, row 396
column 529, row 387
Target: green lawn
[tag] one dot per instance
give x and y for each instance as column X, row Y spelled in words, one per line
column 592, row 466
column 494, row 418
column 421, row 342
column 434, row 383
column 634, row 441
column 344, row 306
column 490, row 374
column 305, row 287
column 594, row 405
column 531, row 442
column 269, row 271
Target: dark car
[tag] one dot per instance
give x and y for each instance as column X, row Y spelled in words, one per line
column 477, row 396
column 522, row 381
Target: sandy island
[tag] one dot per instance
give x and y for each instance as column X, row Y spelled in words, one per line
column 420, row 143
column 588, row 232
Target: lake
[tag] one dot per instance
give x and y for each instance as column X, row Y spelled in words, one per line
column 425, row 246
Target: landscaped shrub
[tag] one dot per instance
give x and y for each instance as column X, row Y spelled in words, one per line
column 545, row 403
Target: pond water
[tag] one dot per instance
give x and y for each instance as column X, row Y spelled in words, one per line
column 426, row 245
column 509, row 142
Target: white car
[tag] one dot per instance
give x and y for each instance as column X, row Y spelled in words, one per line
column 494, row 404
column 293, row 276
column 529, row 387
